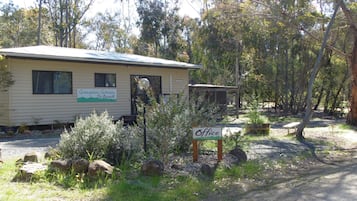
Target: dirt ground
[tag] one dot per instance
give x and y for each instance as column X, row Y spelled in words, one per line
column 330, row 176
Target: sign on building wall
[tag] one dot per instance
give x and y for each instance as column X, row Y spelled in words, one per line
column 207, row 133
column 96, row 95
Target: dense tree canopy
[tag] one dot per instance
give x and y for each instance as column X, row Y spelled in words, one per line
column 266, row 47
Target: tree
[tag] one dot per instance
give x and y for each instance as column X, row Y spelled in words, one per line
column 151, row 16
column 66, row 15
column 107, row 31
column 308, row 112
column 160, row 28
column 6, row 79
column 18, row 27
column 351, row 18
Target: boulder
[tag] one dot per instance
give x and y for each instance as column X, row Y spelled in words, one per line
column 234, row 157
column 52, row 154
column 61, row 165
column 177, row 166
column 98, row 167
column 239, row 154
column 31, row 157
column 207, row 170
column 80, row 165
column 152, row 168
column 29, row 169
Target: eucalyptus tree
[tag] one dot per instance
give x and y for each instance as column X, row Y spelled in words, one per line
column 350, row 12
column 18, row 27
column 151, row 17
column 160, row 28
column 66, row 16
column 106, row 32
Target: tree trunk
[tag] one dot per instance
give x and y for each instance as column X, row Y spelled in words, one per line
column 352, row 115
column 308, row 112
column 319, row 98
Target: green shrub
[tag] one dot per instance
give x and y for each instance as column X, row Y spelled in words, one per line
column 97, row 137
column 254, row 115
column 169, row 124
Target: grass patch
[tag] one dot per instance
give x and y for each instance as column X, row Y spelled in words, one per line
column 345, row 126
column 155, row 188
column 282, row 119
column 250, row 170
column 40, row 188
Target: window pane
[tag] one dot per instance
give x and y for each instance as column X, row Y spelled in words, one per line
column 105, row 80
column 110, row 80
column 42, row 82
column 51, row 82
column 62, row 82
column 99, row 80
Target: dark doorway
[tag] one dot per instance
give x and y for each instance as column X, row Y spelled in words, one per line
column 139, row 94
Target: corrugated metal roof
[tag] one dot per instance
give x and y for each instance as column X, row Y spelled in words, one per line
column 82, row 55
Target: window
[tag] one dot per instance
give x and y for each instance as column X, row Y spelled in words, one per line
column 51, row 82
column 105, row 80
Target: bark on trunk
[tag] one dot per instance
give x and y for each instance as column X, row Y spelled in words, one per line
column 352, row 115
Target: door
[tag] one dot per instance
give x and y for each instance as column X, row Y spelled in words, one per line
column 139, row 94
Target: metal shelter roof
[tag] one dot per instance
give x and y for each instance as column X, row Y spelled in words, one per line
column 83, row 55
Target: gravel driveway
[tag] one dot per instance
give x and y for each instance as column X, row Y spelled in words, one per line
column 13, row 148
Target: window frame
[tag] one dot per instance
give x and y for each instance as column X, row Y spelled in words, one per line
column 105, row 80
column 53, row 84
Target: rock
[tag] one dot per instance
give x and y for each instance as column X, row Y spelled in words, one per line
column 207, row 170
column 29, row 169
column 31, row 157
column 152, row 168
column 52, row 154
column 19, row 162
column 229, row 160
column 61, row 165
column 239, row 154
column 177, row 166
column 80, row 165
column 234, row 157
column 99, row 166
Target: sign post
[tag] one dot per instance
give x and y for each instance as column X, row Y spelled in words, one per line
column 207, row 133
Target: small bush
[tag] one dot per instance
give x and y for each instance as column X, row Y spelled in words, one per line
column 169, row 124
column 97, row 137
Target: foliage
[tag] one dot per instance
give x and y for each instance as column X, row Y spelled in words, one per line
column 267, row 47
column 65, row 17
column 18, row 27
column 254, row 115
column 6, row 78
column 169, row 123
column 97, row 137
column 160, row 28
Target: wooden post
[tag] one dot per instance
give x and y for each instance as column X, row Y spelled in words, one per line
column 195, row 150
column 219, row 150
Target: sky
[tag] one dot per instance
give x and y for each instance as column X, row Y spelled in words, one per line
column 187, row 7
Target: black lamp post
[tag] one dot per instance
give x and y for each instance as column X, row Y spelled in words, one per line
column 144, row 85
